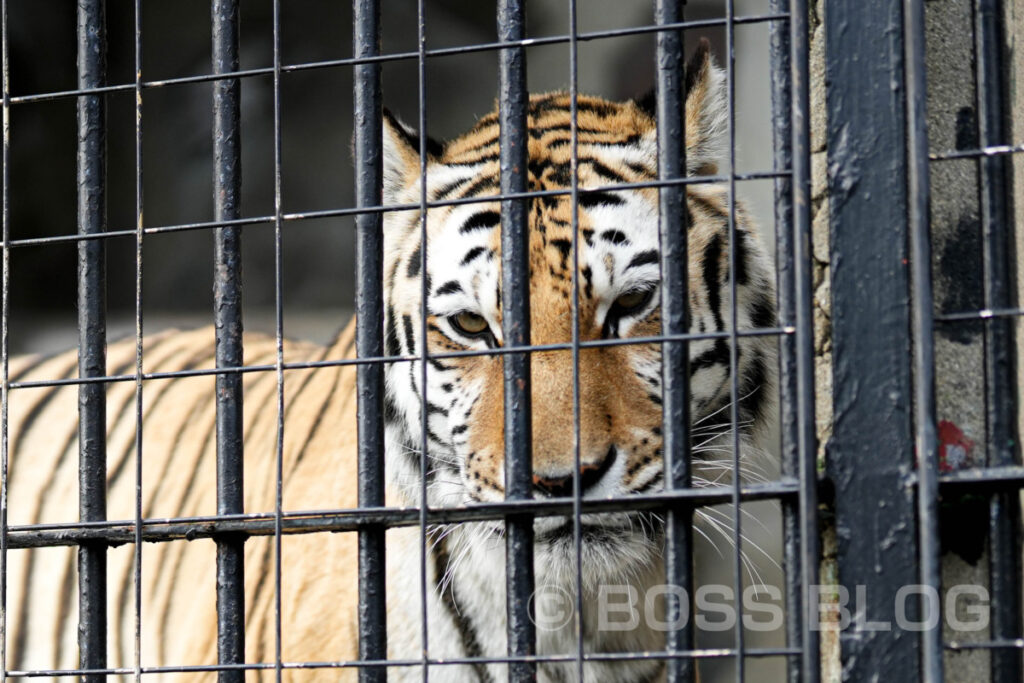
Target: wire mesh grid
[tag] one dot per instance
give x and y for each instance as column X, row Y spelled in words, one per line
column 795, row 489
column 231, row 526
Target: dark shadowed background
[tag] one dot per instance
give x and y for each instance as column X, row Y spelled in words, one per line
column 316, row 127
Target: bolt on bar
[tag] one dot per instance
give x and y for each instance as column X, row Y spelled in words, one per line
column 1000, row 399
column 369, row 336
column 673, row 220
column 515, row 326
column 803, row 297
column 926, row 441
column 92, row 333
column 227, row 290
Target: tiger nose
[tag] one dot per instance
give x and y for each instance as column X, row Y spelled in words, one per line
column 559, row 484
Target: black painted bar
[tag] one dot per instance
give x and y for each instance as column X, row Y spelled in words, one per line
column 871, row 450
column 1002, row 445
column 92, row 332
column 782, row 140
column 515, row 328
column 370, row 335
column 675, row 319
column 227, row 291
column 922, row 303
column 803, row 290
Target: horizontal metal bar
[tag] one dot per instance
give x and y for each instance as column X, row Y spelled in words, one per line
column 120, row 532
column 310, row 365
column 354, row 211
column 1017, row 644
column 1010, row 476
column 989, row 151
column 715, row 653
column 395, row 57
column 982, row 314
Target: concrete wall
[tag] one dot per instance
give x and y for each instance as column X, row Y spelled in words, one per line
column 956, row 266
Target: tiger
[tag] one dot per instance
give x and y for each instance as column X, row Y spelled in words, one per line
column 619, row 412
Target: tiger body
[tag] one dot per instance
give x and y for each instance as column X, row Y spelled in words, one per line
column 620, row 416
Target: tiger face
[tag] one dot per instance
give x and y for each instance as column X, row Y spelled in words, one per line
column 617, row 296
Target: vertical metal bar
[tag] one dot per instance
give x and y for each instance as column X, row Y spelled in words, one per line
column 782, row 136
column 675, row 319
column 574, row 181
column 92, row 333
column 278, row 341
column 918, row 199
column 1000, row 394
column 515, row 326
column 137, row 577
column 872, row 443
column 421, row 75
column 4, row 322
column 803, row 309
column 734, row 348
column 369, row 335
column 227, row 307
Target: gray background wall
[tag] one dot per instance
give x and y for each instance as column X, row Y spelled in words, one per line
column 316, row 130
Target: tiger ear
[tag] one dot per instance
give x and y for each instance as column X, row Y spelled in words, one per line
column 707, row 114
column 402, row 156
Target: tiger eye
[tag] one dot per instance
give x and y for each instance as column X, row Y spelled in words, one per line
column 632, row 300
column 469, row 323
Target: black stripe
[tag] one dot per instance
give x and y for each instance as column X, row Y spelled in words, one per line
column 564, row 246
column 484, row 219
column 450, row 287
column 444, row 191
column 482, row 183
column 391, row 344
column 762, row 313
column 413, row 269
column 472, row 254
column 410, row 339
column 754, row 384
column 643, row 258
column 710, row 267
column 467, row 633
column 434, row 409
column 482, row 159
column 718, row 354
column 591, row 199
column 615, row 236
column 609, row 173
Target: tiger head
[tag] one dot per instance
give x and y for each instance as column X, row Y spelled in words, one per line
column 618, row 386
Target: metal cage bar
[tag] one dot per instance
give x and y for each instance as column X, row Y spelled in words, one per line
column 922, row 306
column 789, row 428
column 515, row 328
column 227, row 290
column 5, row 310
column 806, row 454
column 674, row 223
column 1002, row 446
column 872, row 372
column 92, row 339
column 139, row 239
column 278, row 344
column 369, row 336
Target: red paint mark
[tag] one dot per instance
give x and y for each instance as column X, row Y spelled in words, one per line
column 954, row 447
